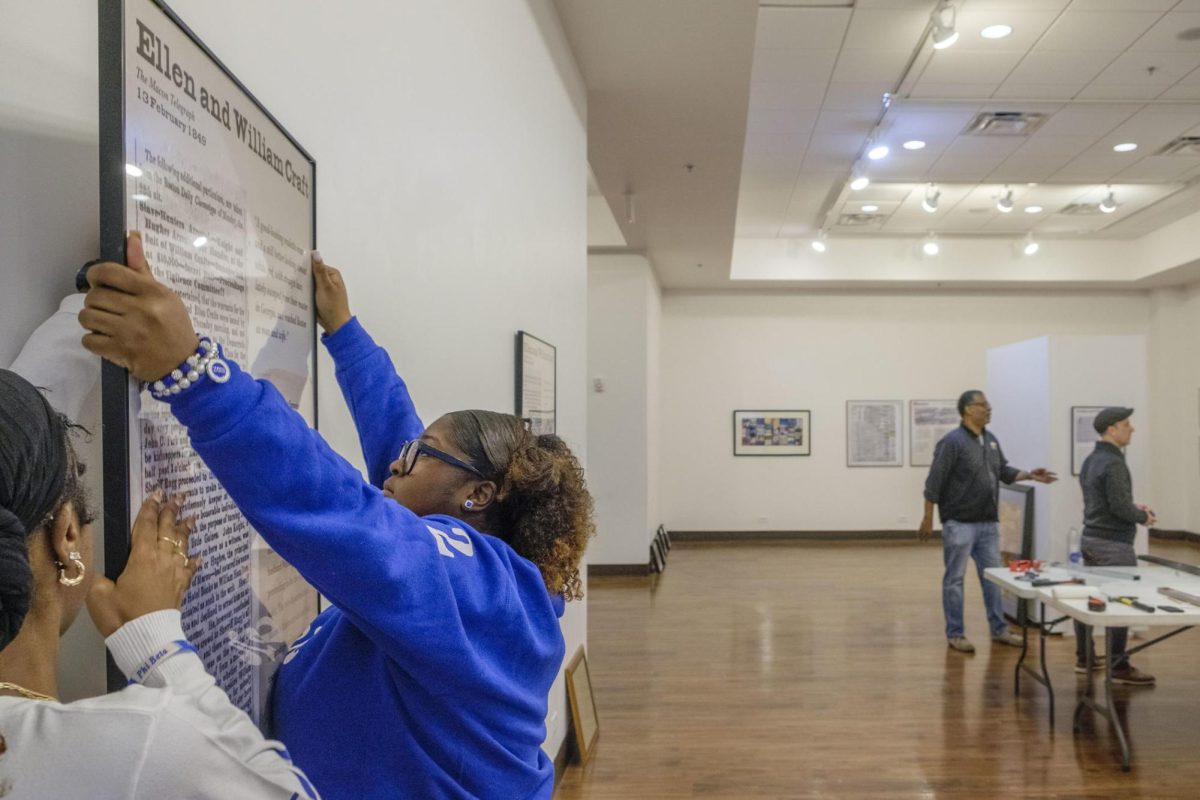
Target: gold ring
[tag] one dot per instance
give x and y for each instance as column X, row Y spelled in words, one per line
column 177, row 542
column 183, row 556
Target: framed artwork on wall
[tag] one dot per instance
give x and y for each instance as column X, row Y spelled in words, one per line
column 1083, row 434
column 583, row 706
column 928, row 422
column 772, row 433
column 874, row 433
column 537, row 383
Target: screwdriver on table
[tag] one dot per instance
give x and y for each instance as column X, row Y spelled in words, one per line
column 1133, row 603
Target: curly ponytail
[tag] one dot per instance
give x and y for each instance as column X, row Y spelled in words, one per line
column 542, row 508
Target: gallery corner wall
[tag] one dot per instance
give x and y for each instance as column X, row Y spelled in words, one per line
column 624, row 434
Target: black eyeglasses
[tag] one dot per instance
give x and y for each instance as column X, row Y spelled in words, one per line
column 415, row 447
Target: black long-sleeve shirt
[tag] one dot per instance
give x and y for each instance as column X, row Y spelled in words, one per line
column 964, row 479
column 1108, row 509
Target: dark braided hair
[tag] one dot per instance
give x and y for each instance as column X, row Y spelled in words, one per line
column 542, row 508
column 37, row 476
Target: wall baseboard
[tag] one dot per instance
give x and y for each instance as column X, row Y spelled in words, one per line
column 618, row 569
column 1164, row 535
column 801, row 536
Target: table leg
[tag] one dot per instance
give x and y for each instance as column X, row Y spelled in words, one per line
column 1042, row 654
column 1023, row 621
column 1107, row 709
column 1087, row 691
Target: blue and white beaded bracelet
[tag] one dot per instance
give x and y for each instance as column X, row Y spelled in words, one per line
column 207, row 361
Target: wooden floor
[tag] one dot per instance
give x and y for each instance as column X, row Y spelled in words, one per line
column 790, row 670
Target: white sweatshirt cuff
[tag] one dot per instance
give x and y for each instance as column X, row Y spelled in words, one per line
column 143, row 648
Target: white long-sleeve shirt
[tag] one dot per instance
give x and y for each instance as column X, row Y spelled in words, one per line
column 175, row 735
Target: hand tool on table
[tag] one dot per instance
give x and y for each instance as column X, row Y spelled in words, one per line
column 1132, row 602
column 1076, row 569
column 1052, row 582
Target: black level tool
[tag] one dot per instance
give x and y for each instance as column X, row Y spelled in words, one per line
column 1051, row 582
column 1132, row 603
column 1176, row 565
column 1172, row 609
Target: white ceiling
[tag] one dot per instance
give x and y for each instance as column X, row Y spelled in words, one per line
column 812, row 83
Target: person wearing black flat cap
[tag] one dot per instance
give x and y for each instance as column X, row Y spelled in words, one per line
column 1110, row 520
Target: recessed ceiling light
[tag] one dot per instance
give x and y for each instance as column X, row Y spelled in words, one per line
column 1125, row 147
column 870, row 208
column 914, row 144
column 931, row 248
column 877, row 152
column 860, row 183
column 1033, row 209
column 818, row 245
column 996, row 31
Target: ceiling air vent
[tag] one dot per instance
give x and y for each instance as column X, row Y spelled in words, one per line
column 858, row 220
column 1004, row 123
column 1183, row 146
column 1080, row 209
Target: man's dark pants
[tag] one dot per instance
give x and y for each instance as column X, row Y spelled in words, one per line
column 1099, row 552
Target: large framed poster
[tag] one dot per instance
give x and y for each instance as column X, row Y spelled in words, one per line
column 537, row 363
column 928, row 422
column 874, row 433
column 1083, row 434
column 225, row 200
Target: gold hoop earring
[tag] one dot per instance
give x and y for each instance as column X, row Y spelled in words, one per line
column 75, row 559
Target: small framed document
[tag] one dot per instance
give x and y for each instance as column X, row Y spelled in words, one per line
column 874, row 433
column 1083, row 434
column 772, row 433
column 536, row 387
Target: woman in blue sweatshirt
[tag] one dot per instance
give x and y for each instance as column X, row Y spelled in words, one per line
column 429, row 674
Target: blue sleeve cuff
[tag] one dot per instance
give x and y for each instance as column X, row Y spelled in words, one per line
column 349, row 343
column 209, row 409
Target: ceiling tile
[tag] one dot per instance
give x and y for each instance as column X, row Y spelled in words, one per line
column 881, row 67
column 1100, row 91
column 846, row 123
column 984, row 146
column 1182, row 91
column 1033, row 91
column 953, row 169
column 1097, row 30
column 883, row 29
column 1164, row 35
column 1022, row 169
column 1060, row 66
column 1122, row 5
column 1042, row 144
column 907, row 168
column 804, row 28
column 785, row 65
column 771, row 152
column 1093, row 169
column 1134, row 67
column 1084, row 119
column 951, row 91
column 824, row 148
column 970, row 66
column 1157, row 169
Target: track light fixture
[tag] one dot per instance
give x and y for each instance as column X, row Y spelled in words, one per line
column 859, row 182
column 943, row 19
column 1005, row 204
column 1109, row 204
column 930, row 202
column 877, row 151
column 819, row 244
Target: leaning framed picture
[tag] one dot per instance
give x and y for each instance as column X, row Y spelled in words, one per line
column 772, row 433
column 1083, row 434
column 874, row 433
column 583, row 706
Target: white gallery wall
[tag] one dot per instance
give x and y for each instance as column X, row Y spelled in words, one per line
column 623, row 426
column 722, row 352
column 450, row 141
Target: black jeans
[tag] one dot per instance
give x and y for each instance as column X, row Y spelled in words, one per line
column 1105, row 553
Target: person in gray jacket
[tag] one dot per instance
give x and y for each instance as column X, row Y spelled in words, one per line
column 1110, row 520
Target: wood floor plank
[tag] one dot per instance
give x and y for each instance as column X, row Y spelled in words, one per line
column 820, row 670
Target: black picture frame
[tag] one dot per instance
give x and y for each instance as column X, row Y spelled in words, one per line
column 539, row 420
column 765, row 422
column 115, row 382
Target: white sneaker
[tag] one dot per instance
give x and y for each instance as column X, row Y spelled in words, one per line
column 1009, row 638
column 961, row 644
